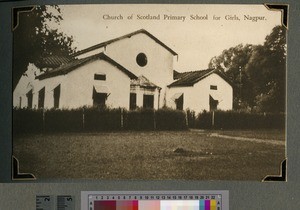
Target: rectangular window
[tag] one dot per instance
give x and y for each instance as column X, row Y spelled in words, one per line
column 99, row 99
column 179, row 103
column 20, row 102
column 100, row 77
column 213, row 104
column 56, row 95
column 100, row 94
column 29, row 99
column 213, row 87
column 41, row 98
column 148, row 101
column 132, row 104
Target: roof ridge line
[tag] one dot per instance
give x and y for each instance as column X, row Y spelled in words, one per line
column 205, row 75
column 196, row 70
column 190, row 78
column 82, row 61
column 105, row 43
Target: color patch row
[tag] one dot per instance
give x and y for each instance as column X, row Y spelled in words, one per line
column 156, row 205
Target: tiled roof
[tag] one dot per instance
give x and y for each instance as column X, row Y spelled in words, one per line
column 142, row 81
column 72, row 65
column 52, row 61
column 103, row 44
column 192, row 77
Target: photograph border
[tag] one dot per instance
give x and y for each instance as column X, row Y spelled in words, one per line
column 19, row 176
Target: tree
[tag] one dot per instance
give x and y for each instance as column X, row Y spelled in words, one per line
column 232, row 62
column 34, row 38
column 267, row 70
column 261, row 83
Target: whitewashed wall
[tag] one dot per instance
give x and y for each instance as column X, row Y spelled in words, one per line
column 187, row 97
column 197, row 97
column 159, row 68
column 26, row 83
column 50, row 84
column 77, row 87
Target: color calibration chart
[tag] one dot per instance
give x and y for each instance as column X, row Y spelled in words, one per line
column 171, row 200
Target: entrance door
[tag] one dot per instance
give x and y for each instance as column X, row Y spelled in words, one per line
column 148, row 101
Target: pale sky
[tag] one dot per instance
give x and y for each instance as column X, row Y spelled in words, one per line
column 195, row 41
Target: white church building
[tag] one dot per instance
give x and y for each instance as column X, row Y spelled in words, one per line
column 131, row 71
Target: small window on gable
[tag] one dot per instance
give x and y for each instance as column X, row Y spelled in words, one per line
column 214, row 87
column 100, row 77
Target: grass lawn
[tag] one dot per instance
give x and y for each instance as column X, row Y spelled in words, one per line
column 188, row 155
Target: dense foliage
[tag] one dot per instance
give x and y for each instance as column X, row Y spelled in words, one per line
column 237, row 120
column 96, row 119
column 34, row 38
column 102, row 119
column 258, row 72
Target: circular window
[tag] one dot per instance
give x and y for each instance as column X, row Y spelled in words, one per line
column 141, row 59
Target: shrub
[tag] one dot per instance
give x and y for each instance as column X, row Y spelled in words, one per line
column 141, row 119
column 191, row 118
column 204, row 120
column 57, row 120
column 102, row 119
column 169, row 119
column 27, row 121
column 240, row 120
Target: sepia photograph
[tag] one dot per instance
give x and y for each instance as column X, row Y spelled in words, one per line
column 149, row 92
